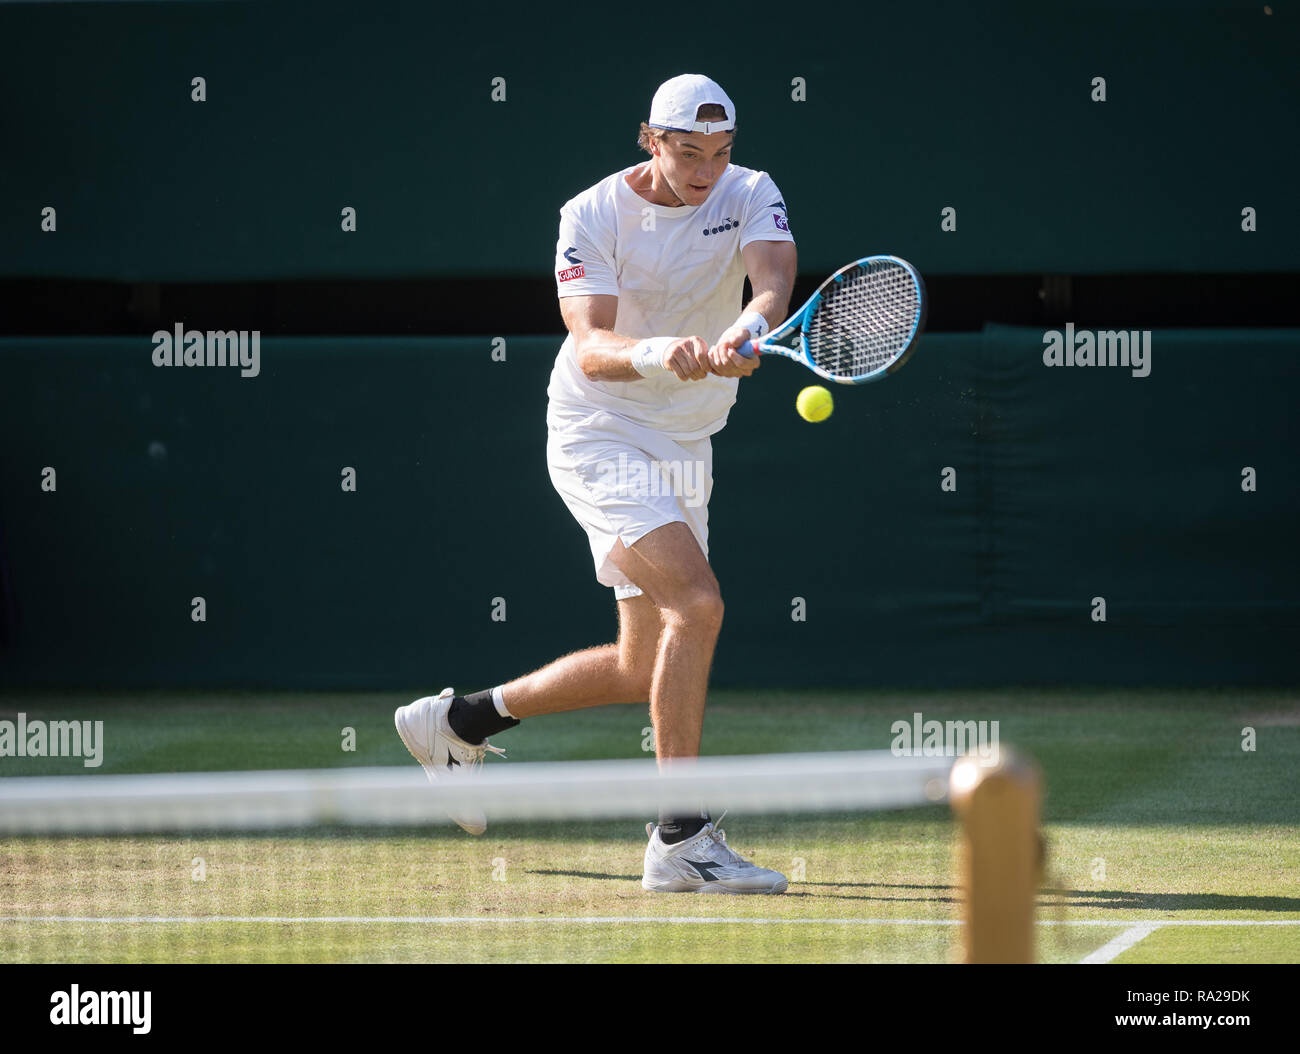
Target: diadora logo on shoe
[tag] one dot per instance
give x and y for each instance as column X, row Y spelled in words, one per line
column 705, row 869
column 726, row 225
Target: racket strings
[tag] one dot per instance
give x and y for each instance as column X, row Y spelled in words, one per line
column 864, row 320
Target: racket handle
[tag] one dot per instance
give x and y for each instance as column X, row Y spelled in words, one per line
column 749, row 349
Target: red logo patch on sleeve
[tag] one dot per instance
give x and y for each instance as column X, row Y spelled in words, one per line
column 570, row 273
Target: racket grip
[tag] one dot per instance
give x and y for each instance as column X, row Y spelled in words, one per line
column 749, row 349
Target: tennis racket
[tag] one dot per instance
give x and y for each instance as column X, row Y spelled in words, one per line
column 861, row 325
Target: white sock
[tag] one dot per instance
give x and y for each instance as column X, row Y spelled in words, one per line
column 498, row 700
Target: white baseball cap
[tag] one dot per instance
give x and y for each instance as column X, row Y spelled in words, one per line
column 678, row 101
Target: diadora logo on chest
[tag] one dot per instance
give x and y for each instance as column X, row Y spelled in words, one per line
column 727, row 224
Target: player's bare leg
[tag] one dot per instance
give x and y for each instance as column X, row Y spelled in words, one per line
column 612, row 673
column 663, row 654
column 448, row 734
column 685, row 854
column 668, row 565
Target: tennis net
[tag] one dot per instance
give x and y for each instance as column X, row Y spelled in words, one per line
column 363, row 864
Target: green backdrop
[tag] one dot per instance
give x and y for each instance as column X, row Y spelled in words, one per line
column 387, row 108
column 1071, row 483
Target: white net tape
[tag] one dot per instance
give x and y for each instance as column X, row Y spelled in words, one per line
column 786, row 783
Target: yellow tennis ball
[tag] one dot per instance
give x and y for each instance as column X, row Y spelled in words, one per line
column 814, row 403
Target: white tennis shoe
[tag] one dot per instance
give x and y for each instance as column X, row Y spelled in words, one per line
column 427, row 735
column 704, row 863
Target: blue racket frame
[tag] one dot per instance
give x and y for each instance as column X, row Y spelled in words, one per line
column 797, row 325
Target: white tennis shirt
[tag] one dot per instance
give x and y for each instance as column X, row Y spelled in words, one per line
column 677, row 272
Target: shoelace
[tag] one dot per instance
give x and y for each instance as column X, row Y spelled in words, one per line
column 719, row 837
column 478, row 753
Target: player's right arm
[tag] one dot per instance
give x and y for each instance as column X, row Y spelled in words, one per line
column 604, row 355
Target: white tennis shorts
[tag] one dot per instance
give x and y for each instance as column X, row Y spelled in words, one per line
column 621, row 482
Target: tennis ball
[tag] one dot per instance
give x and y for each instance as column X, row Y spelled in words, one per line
column 814, row 403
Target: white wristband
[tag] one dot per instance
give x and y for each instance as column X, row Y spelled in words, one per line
column 648, row 356
column 754, row 322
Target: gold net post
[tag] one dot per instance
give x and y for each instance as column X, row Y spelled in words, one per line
column 998, row 856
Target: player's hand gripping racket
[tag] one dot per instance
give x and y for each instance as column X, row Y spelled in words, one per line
column 861, row 325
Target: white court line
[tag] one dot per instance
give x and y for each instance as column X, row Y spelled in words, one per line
column 612, row 920
column 1117, row 945
column 456, row 920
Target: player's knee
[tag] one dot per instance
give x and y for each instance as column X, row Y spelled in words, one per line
column 697, row 606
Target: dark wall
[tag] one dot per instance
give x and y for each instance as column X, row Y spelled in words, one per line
column 387, row 108
column 1072, row 483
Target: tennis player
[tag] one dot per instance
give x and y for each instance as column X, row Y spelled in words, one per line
column 650, row 268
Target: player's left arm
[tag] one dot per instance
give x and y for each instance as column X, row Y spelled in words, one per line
column 771, row 267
